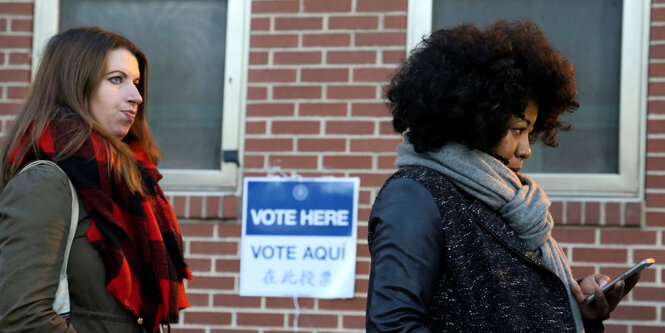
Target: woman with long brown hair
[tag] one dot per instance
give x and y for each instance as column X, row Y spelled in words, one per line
column 86, row 112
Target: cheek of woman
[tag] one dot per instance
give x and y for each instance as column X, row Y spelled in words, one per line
column 106, row 107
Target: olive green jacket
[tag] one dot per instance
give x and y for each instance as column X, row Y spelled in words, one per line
column 35, row 210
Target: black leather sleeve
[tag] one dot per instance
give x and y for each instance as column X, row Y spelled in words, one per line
column 406, row 249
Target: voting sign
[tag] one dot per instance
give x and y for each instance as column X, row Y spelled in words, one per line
column 299, row 237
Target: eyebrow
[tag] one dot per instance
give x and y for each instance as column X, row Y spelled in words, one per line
column 523, row 118
column 116, row 71
column 121, row 72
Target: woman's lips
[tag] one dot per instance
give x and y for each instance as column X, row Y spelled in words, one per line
column 130, row 114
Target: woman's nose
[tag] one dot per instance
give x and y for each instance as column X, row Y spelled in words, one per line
column 524, row 149
column 134, row 96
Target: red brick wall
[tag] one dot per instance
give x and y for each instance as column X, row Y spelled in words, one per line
column 315, row 107
column 15, row 48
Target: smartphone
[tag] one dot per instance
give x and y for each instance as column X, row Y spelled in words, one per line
column 627, row 274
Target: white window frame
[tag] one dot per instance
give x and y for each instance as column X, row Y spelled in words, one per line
column 228, row 176
column 629, row 182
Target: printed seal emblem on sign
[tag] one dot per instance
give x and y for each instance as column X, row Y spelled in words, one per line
column 300, row 192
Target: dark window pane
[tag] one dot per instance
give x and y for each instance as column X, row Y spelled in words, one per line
column 588, row 33
column 184, row 42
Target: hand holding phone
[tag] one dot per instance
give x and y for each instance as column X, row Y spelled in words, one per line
column 626, row 275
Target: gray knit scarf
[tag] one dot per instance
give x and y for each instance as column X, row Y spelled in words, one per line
column 516, row 197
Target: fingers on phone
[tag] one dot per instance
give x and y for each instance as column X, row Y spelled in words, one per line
column 597, row 291
column 576, row 290
column 617, row 290
column 604, row 281
column 600, row 299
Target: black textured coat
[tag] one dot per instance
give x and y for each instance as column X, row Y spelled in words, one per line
column 443, row 261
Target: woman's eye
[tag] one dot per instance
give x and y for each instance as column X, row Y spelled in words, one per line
column 115, row 80
column 519, row 131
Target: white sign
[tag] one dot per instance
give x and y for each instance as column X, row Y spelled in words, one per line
column 299, row 237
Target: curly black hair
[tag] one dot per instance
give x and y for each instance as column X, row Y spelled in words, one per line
column 463, row 84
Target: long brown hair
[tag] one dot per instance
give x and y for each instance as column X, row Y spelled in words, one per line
column 70, row 71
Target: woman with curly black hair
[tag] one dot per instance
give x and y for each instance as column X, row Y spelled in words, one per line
column 461, row 241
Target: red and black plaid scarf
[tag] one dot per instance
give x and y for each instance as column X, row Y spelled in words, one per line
column 137, row 235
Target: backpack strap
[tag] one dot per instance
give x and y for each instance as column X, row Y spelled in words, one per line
column 61, row 303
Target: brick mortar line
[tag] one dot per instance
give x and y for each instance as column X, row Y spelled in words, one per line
column 203, row 194
column 208, row 290
column 212, row 256
column 318, row 136
column 16, row 16
column 605, row 246
column 204, row 209
column 347, row 171
column 263, row 329
column 232, row 275
column 583, row 214
column 653, row 284
column 320, row 84
column 16, row 50
column 319, row 101
column 201, row 238
column 355, row 154
column 323, row 65
column 16, row 33
column 326, row 118
column 302, row 310
column 341, row 48
column 602, row 216
column 25, row 83
column 369, row 135
column 338, row 48
column 351, row 13
column 612, row 321
column 328, row 30
column 279, row 310
column 324, row 171
column 229, row 238
column 315, row 84
column 18, row 101
column 323, row 154
column 642, row 246
column 186, row 212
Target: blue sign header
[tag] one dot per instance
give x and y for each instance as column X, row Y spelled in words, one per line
column 300, row 208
